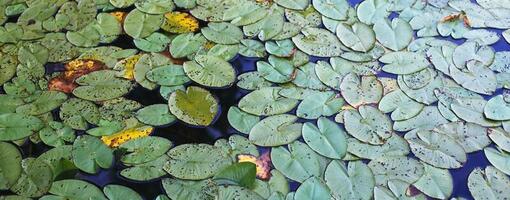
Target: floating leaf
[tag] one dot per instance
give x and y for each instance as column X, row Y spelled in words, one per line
column 35, row 180
column 168, row 75
column 236, row 193
column 240, row 120
column 497, row 109
column 395, row 34
column 371, row 11
column 498, row 158
column 252, row 48
column 16, row 126
column 436, row 149
column 146, row 171
column 276, row 130
column 358, row 36
column 76, row 189
column 242, row 174
column 326, row 138
column 400, row 105
column 312, row 187
column 155, row 6
column 318, row 42
column 334, row 9
column 488, row 184
column 266, row 101
column 123, row 136
column 179, row 22
column 118, row 192
column 140, row 25
column 145, row 149
column 222, row 33
column 471, row 110
column 44, row 102
column 277, row 70
column 352, row 182
column 210, row 71
column 100, row 86
column 476, row 78
column 396, row 168
column 368, row 124
column 186, row 189
column 195, row 106
column 155, row 115
column 195, row 161
column 322, row 104
column 403, row 62
column 470, row 52
column 360, row 91
column 252, row 81
column 393, row 146
column 280, row 48
column 10, row 165
column 56, row 134
column 298, row 163
column 156, row 42
column 90, row 154
column 500, row 137
column 471, row 137
column 427, row 119
column 435, row 182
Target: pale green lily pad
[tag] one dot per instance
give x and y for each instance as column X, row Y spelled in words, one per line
column 88, row 36
column 360, row 91
column 56, row 134
column 498, row 158
column 305, row 77
column 145, row 64
column 321, row 104
column 268, row 27
column 435, row 182
column 222, row 33
column 35, row 180
column 470, row 52
column 76, row 189
column 472, row 137
column 10, row 165
column 488, row 184
column 100, row 86
column 168, row 75
column 355, row 181
column 400, row 105
column 276, row 130
column 500, row 137
column 195, row 161
column 278, row 183
column 146, row 171
column 318, row 42
column 119, row 192
column 156, row 42
column 234, row 192
column 44, row 102
column 155, row 6
column 186, row 189
column 277, row 70
column 471, row 110
column 155, row 115
column 240, row 120
column 427, row 119
column 371, row 11
column 145, row 149
column 368, row 124
column 210, row 71
column 252, row 48
column 252, row 81
column 195, row 106
column 237, row 145
column 311, row 188
column 308, row 17
column 242, row 174
column 497, row 109
column 396, row 168
column 334, row 9
column 358, row 36
column 90, row 154
column 266, row 101
column 298, row 163
column 403, row 62
column 326, row 138
column 395, row 34
column 477, row 78
column 293, row 4
column 280, row 48
column 186, row 44
column 18, row 126
column 140, row 25
column 393, row 146
column 226, row 52
column 436, row 149
column 122, row 3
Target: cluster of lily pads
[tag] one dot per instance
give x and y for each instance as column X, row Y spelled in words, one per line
column 387, row 107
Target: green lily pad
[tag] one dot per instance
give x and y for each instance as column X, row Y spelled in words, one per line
column 10, row 165
column 472, row 137
column 88, row 36
column 360, row 91
column 335, row 9
column 395, row 34
column 156, row 42
column 118, row 192
column 146, row 171
column 240, row 120
column 318, row 42
column 500, row 137
column 155, row 6
column 326, row 138
column 186, row 189
column 236, row 193
column 356, row 181
column 7, row 67
column 427, row 119
column 435, row 182
column 210, row 71
column 222, row 33
column 266, row 101
column 100, row 86
column 277, row 70
column 195, row 161
column 358, row 36
column 155, row 115
column 403, row 62
column 497, row 109
column 145, row 64
column 498, row 158
column 368, row 124
column 276, row 130
column 195, row 106
column 436, row 149
column 17, row 126
column 35, row 180
column 321, row 104
column 144, row 149
column 396, row 168
column 140, row 25
column 76, row 189
column 252, row 48
column 44, row 102
column 295, row 5
column 400, row 105
column 393, row 146
column 186, row 44
column 488, row 184
column 298, row 163
column 280, row 48
column 311, row 188
column 90, row 154
column 371, row 11
column 252, row 81
column 242, row 174
column 56, row 134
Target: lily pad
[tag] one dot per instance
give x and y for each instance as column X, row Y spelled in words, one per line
column 276, row 130
column 321, row 104
column 395, row 34
column 101, row 85
column 146, row 171
column 145, row 149
column 396, row 168
column 222, row 33
column 90, row 154
column 358, row 36
column 472, row 137
column 497, row 109
column 18, row 126
column 266, row 101
column 488, row 184
column 35, row 180
column 498, row 158
column 400, row 105
column 403, row 62
column 360, row 91
column 240, row 120
column 435, row 182
column 210, row 71
column 312, row 187
column 186, row 189
column 76, row 189
column 334, row 9
column 140, row 25
column 195, row 106
column 118, row 192
column 318, row 42
column 368, row 124
column 10, row 165
column 356, row 181
column 155, row 115
column 326, row 138
column 298, row 163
